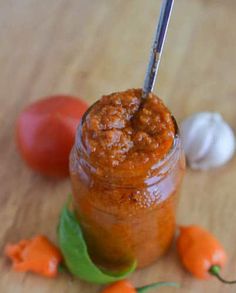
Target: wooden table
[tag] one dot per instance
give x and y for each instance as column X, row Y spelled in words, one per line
column 91, row 47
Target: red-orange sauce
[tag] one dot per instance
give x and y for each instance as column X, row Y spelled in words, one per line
column 126, row 168
column 123, row 133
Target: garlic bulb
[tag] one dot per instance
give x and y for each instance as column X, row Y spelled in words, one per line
column 207, row 139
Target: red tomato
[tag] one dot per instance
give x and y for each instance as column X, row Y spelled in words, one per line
column 45, row 133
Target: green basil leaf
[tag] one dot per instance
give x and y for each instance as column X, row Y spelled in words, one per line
column 77, row 259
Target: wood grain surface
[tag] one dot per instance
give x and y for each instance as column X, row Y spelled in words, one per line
column 91, row 47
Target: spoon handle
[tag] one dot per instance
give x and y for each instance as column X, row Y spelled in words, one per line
column 157, row 47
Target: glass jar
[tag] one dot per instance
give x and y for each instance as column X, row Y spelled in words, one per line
column 126, row 216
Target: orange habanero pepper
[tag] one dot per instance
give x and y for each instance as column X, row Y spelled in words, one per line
column 125, row 286
column 201, row 253
column 36, row 255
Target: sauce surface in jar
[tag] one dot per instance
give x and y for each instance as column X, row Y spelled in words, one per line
column 126, row 168
column 121, row 133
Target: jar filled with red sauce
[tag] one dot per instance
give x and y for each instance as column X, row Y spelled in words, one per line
column 126, row 168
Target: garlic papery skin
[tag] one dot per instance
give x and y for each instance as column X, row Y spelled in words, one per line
column 208, row 140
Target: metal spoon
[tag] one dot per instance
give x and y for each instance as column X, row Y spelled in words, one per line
column 157, row 47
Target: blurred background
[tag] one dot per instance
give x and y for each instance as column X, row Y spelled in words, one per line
column 92, row 47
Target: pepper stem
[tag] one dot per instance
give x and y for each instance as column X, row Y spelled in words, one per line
column 215, row 271
column 62, row 269
column 156, row 285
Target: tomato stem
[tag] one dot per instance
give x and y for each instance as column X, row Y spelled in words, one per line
column 215, row 271
column 156, row 285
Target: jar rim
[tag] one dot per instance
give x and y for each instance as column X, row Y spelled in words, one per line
column 158, row 165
